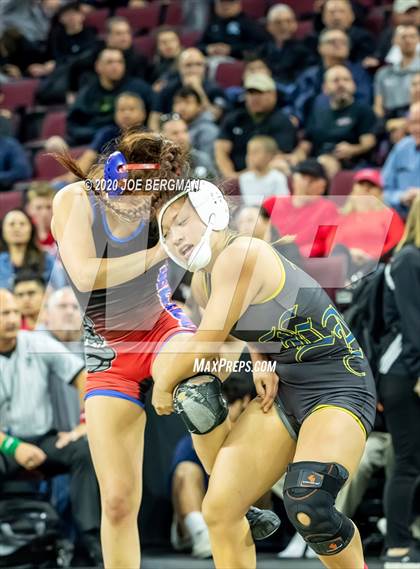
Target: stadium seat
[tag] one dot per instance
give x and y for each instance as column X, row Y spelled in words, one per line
column 342, row 183
column 190, row 39
column 229, row 74
column 174, row 14
column 375, row 20
column 254, row 9
column 46, row 167
column 97, row 19
column 10, row 200
column 54, row 124
column 304, row 29
column 329, row 272
column 145, row 45
column 141, row 19
column 19, row 93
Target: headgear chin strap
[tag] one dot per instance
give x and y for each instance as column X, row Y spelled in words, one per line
column 211, row 207
column 116, row 169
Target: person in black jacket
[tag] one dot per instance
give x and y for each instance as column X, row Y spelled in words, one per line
column 400, row 389
column 94, row 106
column 230, row 32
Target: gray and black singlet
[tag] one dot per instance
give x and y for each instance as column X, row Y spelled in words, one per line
column 318, row 359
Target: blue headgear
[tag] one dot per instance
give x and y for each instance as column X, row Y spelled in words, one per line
column 116, row 169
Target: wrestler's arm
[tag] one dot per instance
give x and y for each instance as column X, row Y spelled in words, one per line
column 234, row 287
column 71, row 228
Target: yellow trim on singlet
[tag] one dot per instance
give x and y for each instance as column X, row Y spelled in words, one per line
column 282, row 281
column 355, row 417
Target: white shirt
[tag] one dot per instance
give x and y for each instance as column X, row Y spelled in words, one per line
column 255, row 189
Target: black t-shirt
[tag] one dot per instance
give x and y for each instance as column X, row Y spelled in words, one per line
column 62, row 46
column 241, row 33
column 162, row 101
column 288, row 61
column 239, row 126
column 328, row 127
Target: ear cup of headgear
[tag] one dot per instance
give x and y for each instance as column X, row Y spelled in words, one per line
column 114, row 171
column 210, row 205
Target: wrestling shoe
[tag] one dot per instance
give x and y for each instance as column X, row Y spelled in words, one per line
column 263, row 523
column 178, row 542
column 410, row 560
column 201, row 545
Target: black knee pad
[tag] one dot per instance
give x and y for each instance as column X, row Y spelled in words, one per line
column 200, row 403
column 311, row 488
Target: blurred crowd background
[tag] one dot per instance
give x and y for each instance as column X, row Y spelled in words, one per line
column 307, row 112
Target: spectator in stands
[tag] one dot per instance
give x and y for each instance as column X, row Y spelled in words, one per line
column 286, row 56
column 189, row 479
column 397, row 128
column 401, row 171
column 19, row 250
column 367, row 227
column 201, row 126
column 94, row 105
column 165, row 60
column 29, row 292
column 119, row 35
column 260, row 116
column 339, row 14
column 16, row 53
column 175, row 128
column 31, row 18
column 260, row 180
column 39, row 200
column 68, row 39
column 341, row 131
column 255, row 221
column 399, row 391
column 63, row 321
column 306, row 214
column 392, row 83
column 230, row 32
column 14, row 163
column 404, row 13
column 130, row 112
column 28, row 362
column 191, row 73
column 334, row 49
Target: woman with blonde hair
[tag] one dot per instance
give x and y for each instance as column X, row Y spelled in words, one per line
column 400, row 391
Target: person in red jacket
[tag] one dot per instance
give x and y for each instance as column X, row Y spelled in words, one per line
column 367, row 227
column 307, row 215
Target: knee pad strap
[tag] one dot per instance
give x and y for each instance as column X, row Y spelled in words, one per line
column 200, row 403
column 310, row 491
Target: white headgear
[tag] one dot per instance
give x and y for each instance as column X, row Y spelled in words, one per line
column 211, row 207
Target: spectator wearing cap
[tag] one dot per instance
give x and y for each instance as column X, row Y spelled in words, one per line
column 94, row 106
column 260, row 116
column 392, row 83
column 192, row 68
column 230, row 32
column 339, row 14
column 201, row 126
column 401, row 171
column 367, row 227
column 286, row 55
column 14, row 163
column 334, row 49
column 306, row 213
column 29, row 291
column 340, row 132
column 404, row 13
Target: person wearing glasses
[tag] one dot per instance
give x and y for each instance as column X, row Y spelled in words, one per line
column 192, row 69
